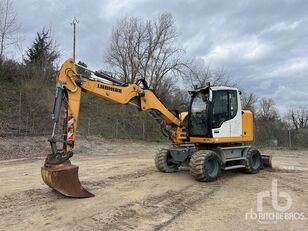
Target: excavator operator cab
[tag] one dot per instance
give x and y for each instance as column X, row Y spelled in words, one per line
column 215, row 112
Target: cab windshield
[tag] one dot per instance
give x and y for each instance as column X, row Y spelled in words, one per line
column 199, row 115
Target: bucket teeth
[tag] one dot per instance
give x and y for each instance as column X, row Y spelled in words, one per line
column 64, row 179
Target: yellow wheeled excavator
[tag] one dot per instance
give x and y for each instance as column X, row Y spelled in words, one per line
column 214, row 134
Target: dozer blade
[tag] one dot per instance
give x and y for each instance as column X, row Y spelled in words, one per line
column 64, row 179
column 267, row 161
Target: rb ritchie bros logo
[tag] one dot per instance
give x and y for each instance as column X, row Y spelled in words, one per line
column 281, row 211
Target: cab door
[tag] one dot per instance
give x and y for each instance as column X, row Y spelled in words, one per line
column 226, row 114
column 235, row 114
column 221, row 126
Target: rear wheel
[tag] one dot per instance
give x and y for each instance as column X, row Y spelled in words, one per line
column 205, row 165
column 254, row 161
column 164, row 163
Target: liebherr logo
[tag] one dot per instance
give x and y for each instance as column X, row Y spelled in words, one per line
column 281, row 209
column 108, row 88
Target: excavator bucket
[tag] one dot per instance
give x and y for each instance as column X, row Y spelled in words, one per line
column 64, row 179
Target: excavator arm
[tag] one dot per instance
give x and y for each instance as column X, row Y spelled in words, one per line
column 58, row 172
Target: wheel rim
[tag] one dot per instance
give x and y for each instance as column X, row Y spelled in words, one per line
column 256, row 162
column 211, row 167
column 169, row 161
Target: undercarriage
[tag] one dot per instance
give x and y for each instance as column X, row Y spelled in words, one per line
column 206, row 162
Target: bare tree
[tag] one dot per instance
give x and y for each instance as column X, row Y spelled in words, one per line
column 267, row 110
column 146, row 50
column 8, row 25
column 269, row 128
column 299, row 117
column 249, row 99
column 180, row 100
column 198, row 75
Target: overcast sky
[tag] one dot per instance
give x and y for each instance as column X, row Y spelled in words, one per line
column 262, row 44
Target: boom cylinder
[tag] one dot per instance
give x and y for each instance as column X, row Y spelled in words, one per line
column 108, row 77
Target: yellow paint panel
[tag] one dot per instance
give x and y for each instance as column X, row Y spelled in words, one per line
column 110, row 92
column 247, row 125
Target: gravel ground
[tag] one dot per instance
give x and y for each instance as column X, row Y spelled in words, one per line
column 130, row 194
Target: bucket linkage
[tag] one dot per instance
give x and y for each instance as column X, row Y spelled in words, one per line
column 58, row 172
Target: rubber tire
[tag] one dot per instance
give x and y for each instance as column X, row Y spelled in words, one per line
column 250, row 168
column 197, row 165
column 161, row 162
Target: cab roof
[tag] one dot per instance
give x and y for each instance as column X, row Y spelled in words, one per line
column 213, row 88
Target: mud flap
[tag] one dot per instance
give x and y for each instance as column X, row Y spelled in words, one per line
column 64, row 179
column 266, row 161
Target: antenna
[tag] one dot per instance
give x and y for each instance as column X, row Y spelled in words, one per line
column 74, row 22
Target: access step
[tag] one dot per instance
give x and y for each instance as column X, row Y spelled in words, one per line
column 234, row 167
column 234, row 159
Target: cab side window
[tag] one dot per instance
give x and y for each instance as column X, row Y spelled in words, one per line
column 225, row 107
column 220, row 109
column 233, row 103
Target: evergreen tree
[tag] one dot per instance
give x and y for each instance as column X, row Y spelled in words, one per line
column 82, row 71
column 42, row 54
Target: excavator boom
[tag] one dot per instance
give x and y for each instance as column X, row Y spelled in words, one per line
column 57, row 171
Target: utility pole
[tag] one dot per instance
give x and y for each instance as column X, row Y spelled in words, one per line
column 74, row 22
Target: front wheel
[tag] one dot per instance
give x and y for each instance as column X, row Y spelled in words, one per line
column 205, row 165
column 253, row 162
column 164, row 163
